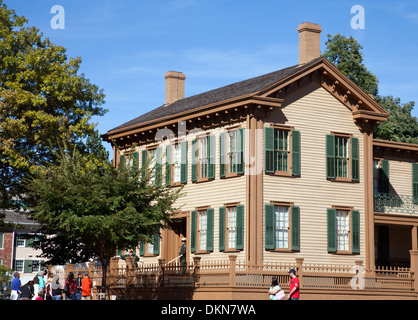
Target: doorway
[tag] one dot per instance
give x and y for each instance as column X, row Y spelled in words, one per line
column 172, row 239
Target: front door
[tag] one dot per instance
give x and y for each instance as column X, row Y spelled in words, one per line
column 172, row 239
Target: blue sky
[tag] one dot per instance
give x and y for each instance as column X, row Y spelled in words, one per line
column 128, row 45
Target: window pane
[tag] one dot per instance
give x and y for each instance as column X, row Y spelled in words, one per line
column 232, row 227
column 202, row 229
column 152, row 163
column 177, row 163
column 281, row 150
column 281, row 227
column 376, row 176
column 232, row 152
column 19, row 265
column 343, row 228
column 203, row 157
column 341, row 151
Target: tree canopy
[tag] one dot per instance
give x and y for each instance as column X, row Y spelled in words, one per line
column 96, row 207
column 346, row 54
column 43, row 100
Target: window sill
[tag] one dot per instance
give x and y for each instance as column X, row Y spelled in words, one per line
column 344, row 180
column 283, row 174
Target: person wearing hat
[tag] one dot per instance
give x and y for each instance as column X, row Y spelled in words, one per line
column 294, row 285
column 182, row 255
column 131, row 254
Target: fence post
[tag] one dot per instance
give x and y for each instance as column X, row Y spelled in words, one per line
column 161, row 265
column 232, row 267
column 113, row 271
column 196, row 269
column 414, row 267
column 92, row 277
column 130, row 270
column 299, row 266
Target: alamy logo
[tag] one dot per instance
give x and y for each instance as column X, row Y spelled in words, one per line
column 358, row 21
column 58, row 20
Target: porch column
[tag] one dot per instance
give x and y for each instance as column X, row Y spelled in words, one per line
column 414, row 238
column 232, row 265
column 414, row 267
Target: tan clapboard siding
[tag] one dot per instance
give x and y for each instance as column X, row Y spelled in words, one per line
column 215, row 193
column 315, row 113
column 400, row 176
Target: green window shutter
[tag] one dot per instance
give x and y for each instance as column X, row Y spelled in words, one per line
column 384, row 176
column 119, row 252
column 222, row 154
column 295, row 228
column 1, row 239
column 135, row 161
column 355, row 232
column 355, row 160
column 415, row 182
column 121, row 161
column 29, row 242
column 168, row 165
column 194, row 160
column 221, row 229
column 330, row 156
column 240, row 227
column 183, row 173
column 156, row 249
column 193, row 231
column 332, row 230
column 295, row 153
column 269, row 150
column 144, row 168
column 141, row 248
column 209, row 229
column 211, row 157
column 269, row 226
column 27, row 267
column 241, row 151
column 158, row 167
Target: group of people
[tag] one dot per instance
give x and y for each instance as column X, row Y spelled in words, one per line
column 40, row 288
column 276, row 293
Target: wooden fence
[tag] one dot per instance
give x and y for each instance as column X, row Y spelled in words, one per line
column 231, row 273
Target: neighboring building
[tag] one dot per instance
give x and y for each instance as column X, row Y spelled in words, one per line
column 278, row 167
column 16, row 250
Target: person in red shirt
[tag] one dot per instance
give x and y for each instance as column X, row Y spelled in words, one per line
column 294, row 285
column 86, row 285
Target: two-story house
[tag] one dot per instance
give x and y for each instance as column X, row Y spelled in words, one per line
column 277, row 167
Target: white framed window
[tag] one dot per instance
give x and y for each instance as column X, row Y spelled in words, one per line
column 203, row 157
column 152, row 162
column 342, row 157
column 20, row 241
column 19, row 265
column 343, row 230
column 232, row 227
column 177, row 163
column 202, row 229
column 281, row 227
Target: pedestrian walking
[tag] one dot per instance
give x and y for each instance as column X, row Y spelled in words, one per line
column 275, row 291
column 78, row 289
column 86, row 285
column 27, row 291
column 16, row 284
column 294, row 286
column 70, row 286
column 56, row 289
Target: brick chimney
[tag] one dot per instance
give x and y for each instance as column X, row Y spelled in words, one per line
column 174, row 86
column 309, row 42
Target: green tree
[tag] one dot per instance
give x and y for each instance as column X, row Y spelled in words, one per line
column 98, row 207
column 346, row 54
column 43, row 100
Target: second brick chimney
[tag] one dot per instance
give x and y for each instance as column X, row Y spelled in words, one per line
column 309, row 42
column 174, row 86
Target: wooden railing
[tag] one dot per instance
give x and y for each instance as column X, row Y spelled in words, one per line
column 238, row 274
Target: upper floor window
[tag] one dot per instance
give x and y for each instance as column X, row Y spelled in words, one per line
column 282, row 150
column 231, row 148
column 176, row 163
column 342, row 157
column 203, row 158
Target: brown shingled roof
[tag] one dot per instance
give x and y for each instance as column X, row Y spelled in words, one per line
column 235, row 90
